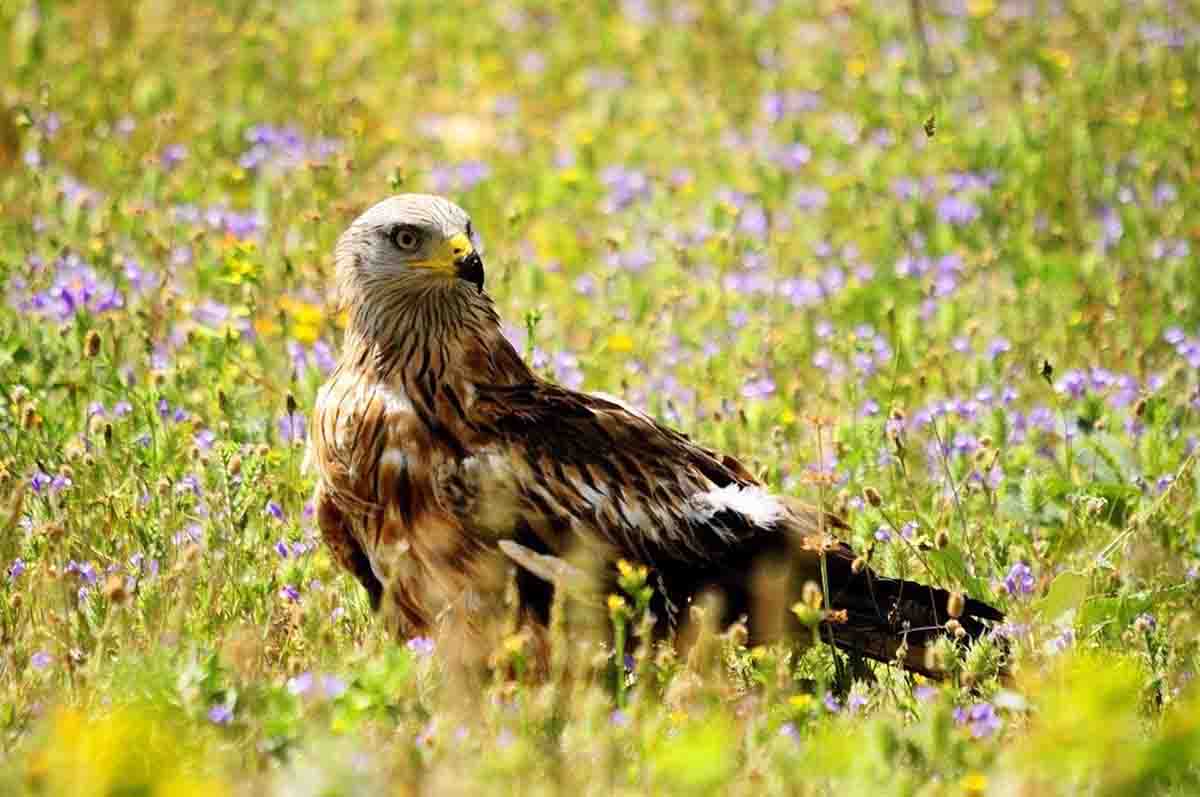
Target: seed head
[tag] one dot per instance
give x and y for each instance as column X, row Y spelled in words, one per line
column 114, row 589
column 955, row 605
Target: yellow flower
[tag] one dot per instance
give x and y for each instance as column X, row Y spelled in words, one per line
column 974, row 783
column 856, row 67
column 981, row 8
column 307, row 318
column 615, row 603
column 620, row 343
column 1061, row 58
column 802, row 701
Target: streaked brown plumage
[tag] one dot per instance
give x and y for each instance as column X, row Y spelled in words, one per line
column 434, row 443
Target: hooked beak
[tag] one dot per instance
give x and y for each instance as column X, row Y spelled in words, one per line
column 468, row 265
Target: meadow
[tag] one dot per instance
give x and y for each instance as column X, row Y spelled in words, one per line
column 930, row 264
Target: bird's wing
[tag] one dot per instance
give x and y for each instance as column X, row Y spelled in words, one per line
column 549, row 463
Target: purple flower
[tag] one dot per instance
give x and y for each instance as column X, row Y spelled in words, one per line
column 289, row 593
column 758, row 388
column 274, row 510
column 1020, row 581
column 882, row 534
column 788, row 729
column 76, row 289
column 300, row 684
column 284, row 148
column 420, row 646
column 332, row 686
column 220, row 715
column 997, row 347
column 16, row 569
column 281, row 548
column 625, row 186
column 957, row 211
column 810, row 198
column 292, row 427
column 85, row 570
column 925, row 693
column 172, row 156
column 40, row 660
column 994, row 478
column 831, row 703
column 981, row 719
column 204, row 439
column 459, row 177
column 1063, row 641
column 618, row 719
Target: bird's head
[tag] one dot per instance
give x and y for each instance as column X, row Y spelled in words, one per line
column 408, row 239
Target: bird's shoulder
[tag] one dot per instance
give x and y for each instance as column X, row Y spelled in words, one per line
column 551, row 421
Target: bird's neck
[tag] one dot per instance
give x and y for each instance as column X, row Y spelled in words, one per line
column 434, row 334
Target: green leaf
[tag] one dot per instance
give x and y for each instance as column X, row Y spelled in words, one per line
column 1068, row 591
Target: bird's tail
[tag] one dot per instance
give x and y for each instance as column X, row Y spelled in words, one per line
column 889, row 619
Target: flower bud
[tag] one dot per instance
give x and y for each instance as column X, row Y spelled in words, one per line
column 91, row 344
column 872, row 496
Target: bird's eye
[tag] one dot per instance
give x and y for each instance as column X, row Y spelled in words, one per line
column 406, row 239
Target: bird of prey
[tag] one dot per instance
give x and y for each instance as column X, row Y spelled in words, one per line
column 438, row 451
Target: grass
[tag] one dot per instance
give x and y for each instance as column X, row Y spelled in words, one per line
column 961, row 275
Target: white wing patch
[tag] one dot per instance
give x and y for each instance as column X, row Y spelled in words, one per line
column 752, row 502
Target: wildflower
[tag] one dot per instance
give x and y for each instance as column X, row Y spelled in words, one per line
column 1144, row 623
column 281, row 548
column 16, row 569
column 831, row 703
column 925, row 693
column 292, row 427
column 801, row 701
column 974, row 784
column 1019, row 581
column 274, row 510
column 981, row 719
column 220, row 715
column 997, row 347
column 618, row 719
column 40, row 660
column 172, row 156
column 289, row 593
column 420, row 646
column 300, row 684
column 957, row 211
column 39, row 481
column 332, row 686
